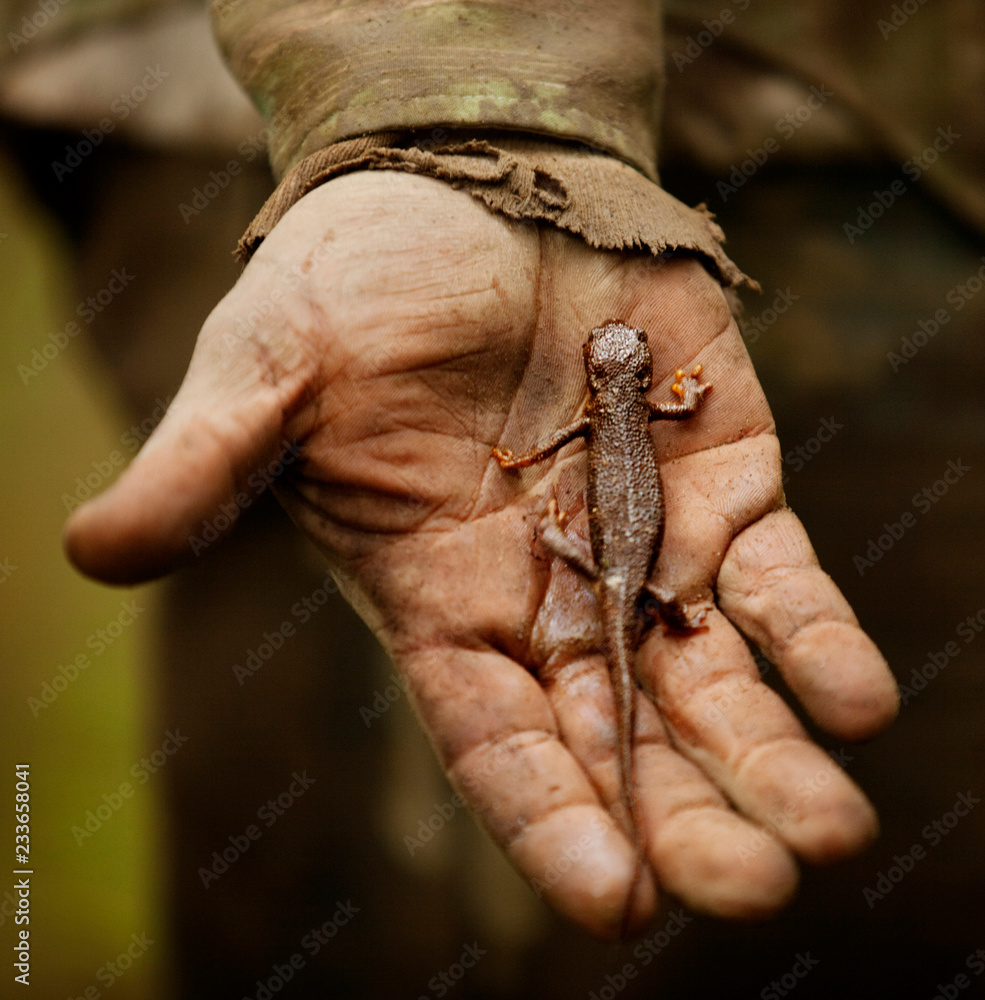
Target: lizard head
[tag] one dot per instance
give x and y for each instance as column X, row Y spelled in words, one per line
column 616, row 353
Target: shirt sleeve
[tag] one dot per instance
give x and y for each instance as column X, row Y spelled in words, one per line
column 545, row 110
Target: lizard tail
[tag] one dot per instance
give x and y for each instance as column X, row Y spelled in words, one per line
column 620, row 656
column 631, row 802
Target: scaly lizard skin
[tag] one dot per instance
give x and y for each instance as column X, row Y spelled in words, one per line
column 625, row 517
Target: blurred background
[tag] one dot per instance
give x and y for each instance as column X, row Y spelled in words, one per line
column 841, row 146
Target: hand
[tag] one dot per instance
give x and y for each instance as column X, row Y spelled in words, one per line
column 396, row 331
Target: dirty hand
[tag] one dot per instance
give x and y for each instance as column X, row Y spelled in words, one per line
column 395, row 331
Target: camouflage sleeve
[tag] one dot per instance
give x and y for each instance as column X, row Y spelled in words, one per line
column 546, row 110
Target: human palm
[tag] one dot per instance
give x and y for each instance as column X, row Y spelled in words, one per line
column 395, row 331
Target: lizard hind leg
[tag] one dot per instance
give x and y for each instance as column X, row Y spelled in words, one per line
column 659, row 604
column 551, row 532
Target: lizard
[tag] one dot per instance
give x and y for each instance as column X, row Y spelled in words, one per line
column 625, row 519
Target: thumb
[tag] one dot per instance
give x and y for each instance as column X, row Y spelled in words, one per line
column 219, row 447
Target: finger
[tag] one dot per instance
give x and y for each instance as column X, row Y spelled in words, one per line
column 709, row 497
column 705, row 853
column 772, row 587
column 743, row 736
column 698, row 846
column 218, row 448
column 495, row 734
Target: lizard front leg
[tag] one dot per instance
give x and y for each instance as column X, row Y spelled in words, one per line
column 558, row 439
column 690, row 391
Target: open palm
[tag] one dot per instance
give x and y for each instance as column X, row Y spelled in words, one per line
column 393, row 331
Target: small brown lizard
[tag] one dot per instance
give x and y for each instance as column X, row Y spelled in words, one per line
column 625, row 517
